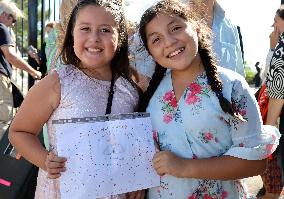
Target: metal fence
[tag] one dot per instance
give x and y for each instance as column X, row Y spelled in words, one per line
column 30, row 31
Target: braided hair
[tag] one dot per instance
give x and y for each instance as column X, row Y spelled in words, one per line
column 176, row 8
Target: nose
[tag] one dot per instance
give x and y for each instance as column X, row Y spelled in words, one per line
column 170, row 40
column 95, row 36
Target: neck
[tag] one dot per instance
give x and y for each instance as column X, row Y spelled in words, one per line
column 190, row 73
column 103, row 73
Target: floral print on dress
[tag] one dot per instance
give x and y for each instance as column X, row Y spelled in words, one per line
column 240, row 188
column 207, row 137
column 209, row 189
column 194, row 93
column 206, row 131
column 170, row 108
column 240, row 107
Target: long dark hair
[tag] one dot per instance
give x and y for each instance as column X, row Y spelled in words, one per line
column 120, row 62
column 176, row 8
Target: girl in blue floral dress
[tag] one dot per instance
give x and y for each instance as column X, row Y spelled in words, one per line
column 206, row 119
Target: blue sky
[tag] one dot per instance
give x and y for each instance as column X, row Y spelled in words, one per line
column 255, row 18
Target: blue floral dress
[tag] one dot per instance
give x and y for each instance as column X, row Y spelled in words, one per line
column 196, row 127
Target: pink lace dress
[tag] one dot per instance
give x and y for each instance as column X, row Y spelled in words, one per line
column 82, row 96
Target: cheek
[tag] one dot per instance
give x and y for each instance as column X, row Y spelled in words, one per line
column 114, row 42
column 155, row 52
column 193, row 37
column 281, row 25
column 78, row 45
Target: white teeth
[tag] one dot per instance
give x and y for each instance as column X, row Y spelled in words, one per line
column 94, row 49
column 175, row 52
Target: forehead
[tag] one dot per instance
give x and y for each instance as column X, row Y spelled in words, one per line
column 93, row 14
column 162, row 21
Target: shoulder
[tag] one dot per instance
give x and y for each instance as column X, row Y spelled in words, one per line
column 49, row 86
column 3, row 27
column 5, row 37
column 230, row 77
column 127, row 83
column 128, row 86
column 64, row 70
column 4, row 31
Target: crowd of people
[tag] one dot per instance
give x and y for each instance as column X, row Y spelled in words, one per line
column 182, row 63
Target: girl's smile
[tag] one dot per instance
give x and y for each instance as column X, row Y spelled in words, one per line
column 177, row 52
column 173, row 42
column 95, row 39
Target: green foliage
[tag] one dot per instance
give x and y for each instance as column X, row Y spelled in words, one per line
column 249, row 75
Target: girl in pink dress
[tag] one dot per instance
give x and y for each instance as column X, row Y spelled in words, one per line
column 96, row 57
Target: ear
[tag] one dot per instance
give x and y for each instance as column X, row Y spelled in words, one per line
column 4, row 14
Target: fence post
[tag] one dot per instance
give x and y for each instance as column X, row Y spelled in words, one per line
column 32, row 34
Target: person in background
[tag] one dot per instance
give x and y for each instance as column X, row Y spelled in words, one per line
column 226, row 42
column 46, row 50
column 278, row 29
column 273, row 179
column 9, row 13
column 58, row 34
column 257, row 79
column 50, row 44
column 199, row 157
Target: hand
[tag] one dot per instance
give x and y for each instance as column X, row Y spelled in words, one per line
column 33, row 55
column 136, row 194
column 274, row 38
column 54, row 165
column 37, row 75
column 165, row 162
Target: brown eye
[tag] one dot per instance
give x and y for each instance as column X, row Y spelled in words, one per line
column 176, row 28
column 85, row 29
column 155, row 40
column 105, row 30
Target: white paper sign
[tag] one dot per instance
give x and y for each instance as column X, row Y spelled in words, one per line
column 106, row 155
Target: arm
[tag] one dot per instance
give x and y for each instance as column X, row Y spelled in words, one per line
column 274, row 110
column 17, row 61
column 251, row 144
column 30, row 118
column 273, row 38
column 266, row 67
column 219, row 168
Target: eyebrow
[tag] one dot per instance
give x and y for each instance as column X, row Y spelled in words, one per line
column 86, row 23
column 153, row 33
